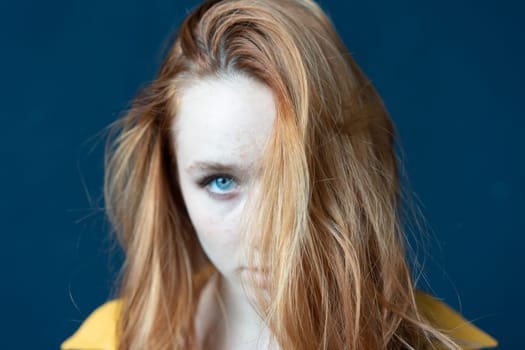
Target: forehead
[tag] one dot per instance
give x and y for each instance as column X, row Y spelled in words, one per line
column 223, row 120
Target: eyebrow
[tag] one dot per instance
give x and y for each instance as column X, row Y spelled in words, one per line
column 213, row 167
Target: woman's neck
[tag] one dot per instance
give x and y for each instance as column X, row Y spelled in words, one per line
column 226, row 320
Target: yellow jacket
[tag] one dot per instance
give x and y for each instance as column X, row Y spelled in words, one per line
column 98, row 330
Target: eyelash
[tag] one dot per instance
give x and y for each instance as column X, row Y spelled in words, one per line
column 205, row 182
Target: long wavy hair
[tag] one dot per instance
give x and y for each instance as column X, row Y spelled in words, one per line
column 329, row 211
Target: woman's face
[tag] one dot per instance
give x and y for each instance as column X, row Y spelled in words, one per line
column 221, row 128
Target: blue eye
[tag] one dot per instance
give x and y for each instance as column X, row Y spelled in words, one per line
column 222, row 183
column 219, row 184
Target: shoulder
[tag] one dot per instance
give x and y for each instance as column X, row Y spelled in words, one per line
column 98, row 331
column 445, row 318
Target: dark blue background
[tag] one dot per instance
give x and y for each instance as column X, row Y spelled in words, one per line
column 449, row 71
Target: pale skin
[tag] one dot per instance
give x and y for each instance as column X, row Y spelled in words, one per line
column 226, row 121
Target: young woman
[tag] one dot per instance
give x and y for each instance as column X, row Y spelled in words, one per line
column 254, row 188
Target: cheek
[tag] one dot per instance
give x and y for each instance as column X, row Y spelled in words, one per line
column 212, row 229
column 217, row 227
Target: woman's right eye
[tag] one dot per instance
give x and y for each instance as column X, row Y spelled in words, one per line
column 219, row 185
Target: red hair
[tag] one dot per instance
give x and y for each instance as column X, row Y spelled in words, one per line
column 330, row 207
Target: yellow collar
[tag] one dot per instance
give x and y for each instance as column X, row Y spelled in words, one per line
column 97, row 332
